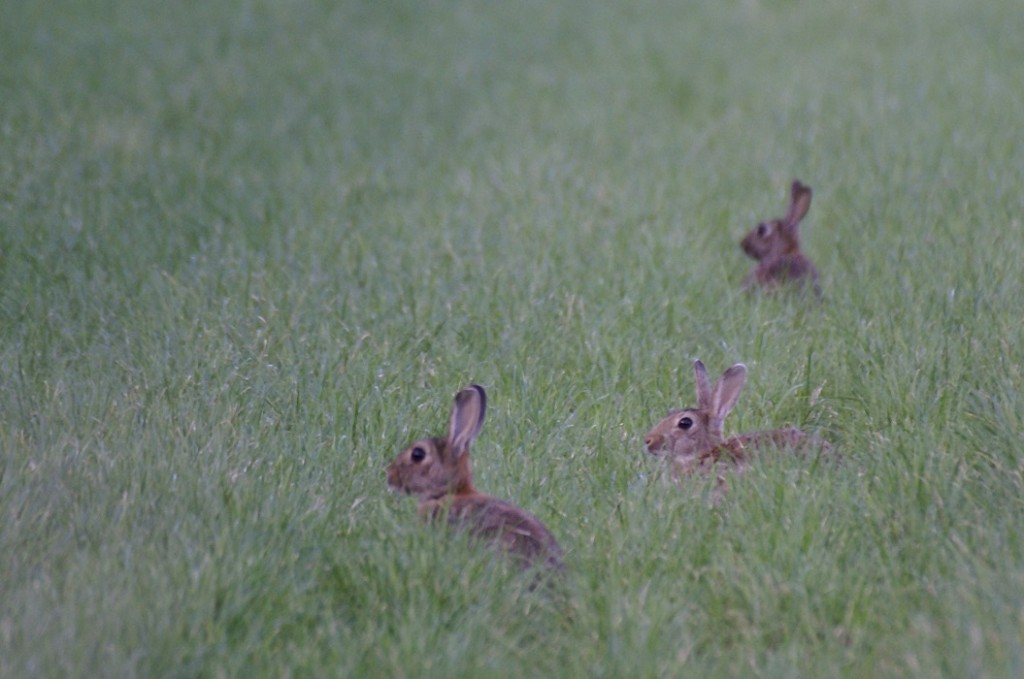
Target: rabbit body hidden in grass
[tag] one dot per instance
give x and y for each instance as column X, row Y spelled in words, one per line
column 692, row 437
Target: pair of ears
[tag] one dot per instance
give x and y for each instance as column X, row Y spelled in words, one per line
column 719, row 399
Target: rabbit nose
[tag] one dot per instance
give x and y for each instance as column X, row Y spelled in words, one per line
column 652, row 442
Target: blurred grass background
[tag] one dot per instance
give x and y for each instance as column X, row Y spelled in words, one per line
column 248, row 250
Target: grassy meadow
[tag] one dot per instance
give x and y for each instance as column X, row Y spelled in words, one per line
column 250, row 249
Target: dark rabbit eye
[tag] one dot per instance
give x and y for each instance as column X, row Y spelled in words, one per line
column 418, row 454
column 685, row 423
column 762, row 229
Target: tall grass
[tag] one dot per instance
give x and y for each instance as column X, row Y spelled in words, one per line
column 248, row 250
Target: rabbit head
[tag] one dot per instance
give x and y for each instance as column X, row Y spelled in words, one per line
column 688, row 432
column 779, row 237
column 432, row 468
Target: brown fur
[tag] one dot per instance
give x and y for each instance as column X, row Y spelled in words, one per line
column 437, row 471
column 693, row 439
column 739, row 450
column 775, row 244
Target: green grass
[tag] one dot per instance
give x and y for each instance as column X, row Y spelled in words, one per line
column 248, row 250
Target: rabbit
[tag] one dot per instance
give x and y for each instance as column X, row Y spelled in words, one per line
column 437, row 471
column 693, row 438
column 775, row 245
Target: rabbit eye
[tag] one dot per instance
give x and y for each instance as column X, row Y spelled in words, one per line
column 685, row 423
column 762, row 229
column 418, row 454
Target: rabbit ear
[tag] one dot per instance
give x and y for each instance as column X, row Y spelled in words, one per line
column 727, row 392
column 467, row 418
column 700, row 376
column 799, row 204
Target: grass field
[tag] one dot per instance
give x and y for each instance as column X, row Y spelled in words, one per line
column 250, row 249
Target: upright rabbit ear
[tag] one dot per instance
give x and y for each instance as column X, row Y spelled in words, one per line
column 467, row 418
column 700, row 376
column 727, row 392
column 799, row 204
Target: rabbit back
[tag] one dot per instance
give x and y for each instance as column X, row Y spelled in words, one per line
column 770, row 273
column 513, row 529
column 789, row 438
column 739, row 450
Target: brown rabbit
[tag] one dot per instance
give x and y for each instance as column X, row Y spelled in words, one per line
column 775, row 245
column 437, row 471
column 693, row 438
